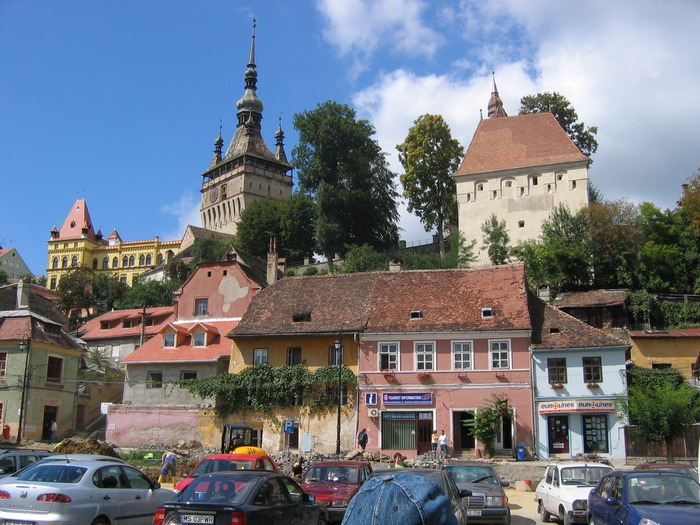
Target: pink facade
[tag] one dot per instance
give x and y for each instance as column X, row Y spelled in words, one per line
column 139, row 425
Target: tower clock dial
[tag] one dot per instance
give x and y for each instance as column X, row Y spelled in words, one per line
column 213, row 194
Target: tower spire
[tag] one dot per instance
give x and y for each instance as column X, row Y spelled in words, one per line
column 250, row 103
column 218, row 146
column 495, row 106
column 279, row 144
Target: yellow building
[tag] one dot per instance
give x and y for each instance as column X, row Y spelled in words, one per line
column 677, row 349
column 77, row 244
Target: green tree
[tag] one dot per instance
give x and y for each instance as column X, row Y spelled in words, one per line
column 344, row 170
column 661, row 405
column 488, row 420
column 430, row 156
column 496, row 240
column 3, row 277
column 150, row 294
column 562, row 256
column 364, row 259
column 84, row 290
column 563, row 111
column 258, row 222
column 690, row 201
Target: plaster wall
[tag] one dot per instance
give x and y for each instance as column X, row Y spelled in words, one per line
column 678, row 352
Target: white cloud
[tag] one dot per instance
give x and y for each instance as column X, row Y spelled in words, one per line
column 186, row 210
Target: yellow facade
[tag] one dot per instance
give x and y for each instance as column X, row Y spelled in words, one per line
column 657, row 352
column 126, row 260
column 320, row 426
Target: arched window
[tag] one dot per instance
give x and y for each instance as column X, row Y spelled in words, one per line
column 149, row 259
column 105, row 263
column 74, row 261
column 115, row 262
column 125, row 261
column 142, row 260
column 64, row 262
column 160, row 258
column 55, row 262
column 94, row 264
column 132, row 261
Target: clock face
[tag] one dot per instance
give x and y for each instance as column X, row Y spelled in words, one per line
column 213, row 193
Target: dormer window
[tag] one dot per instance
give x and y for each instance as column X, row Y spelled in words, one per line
column 486, row 313
column 301, row 317
column 416, row 314
column 554, row 330
column 169, row 340
column 104, row 325
column 126, row 323
column 199, row 339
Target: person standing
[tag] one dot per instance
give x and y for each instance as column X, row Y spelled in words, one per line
column 54, row 429
column 442, row 441
column 362, row 439
column 434, row 441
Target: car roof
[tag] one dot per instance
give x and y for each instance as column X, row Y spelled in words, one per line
column 466, row 463
column 237, row 473
column 25, row 451
column 663, row 465
column 346, row 463
column 647, row 473
column 563, row 464
column 80, row 462
column 235, row 456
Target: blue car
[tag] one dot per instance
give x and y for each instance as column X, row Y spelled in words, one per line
column 644, row 497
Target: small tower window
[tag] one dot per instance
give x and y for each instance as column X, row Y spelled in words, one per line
column 480, row 187
column 573, row 184
column 521, row 224
column 416, row 314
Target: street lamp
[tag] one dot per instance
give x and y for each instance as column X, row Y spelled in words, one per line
column 339, row 361
column 24, row 344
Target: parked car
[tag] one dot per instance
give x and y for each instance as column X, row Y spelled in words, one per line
column 334, row 483
column 250, row 497
column 680, row 468
column 646, row 497
column 86, row 492
column 14, row 459
column 225, row 462
column 563, row 491
column 443, row 480
column 488, row 502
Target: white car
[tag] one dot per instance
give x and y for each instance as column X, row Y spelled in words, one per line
column 563, row 492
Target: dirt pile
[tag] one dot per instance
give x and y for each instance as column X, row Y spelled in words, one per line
column 78, row 445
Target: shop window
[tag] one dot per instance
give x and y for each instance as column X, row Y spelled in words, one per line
column 595, row 434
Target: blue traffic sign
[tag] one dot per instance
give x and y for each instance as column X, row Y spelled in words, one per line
column 289, row 426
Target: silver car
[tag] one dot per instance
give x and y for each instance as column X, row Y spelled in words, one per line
column 80, row 492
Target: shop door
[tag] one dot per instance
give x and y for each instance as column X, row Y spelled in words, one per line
column 425, row 432
column 463, row 438
column 558, row 430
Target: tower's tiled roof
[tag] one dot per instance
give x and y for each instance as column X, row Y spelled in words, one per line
column 78, row 223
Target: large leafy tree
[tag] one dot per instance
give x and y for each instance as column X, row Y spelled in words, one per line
column 88, row 291
column 291, row 221
column 661, row 405
column 430, row 156
column 690, row 202
column 345, row 171
column 496, row 240
column 150, row 294
column 564, row 112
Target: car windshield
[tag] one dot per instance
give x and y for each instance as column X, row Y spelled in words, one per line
column 207, row 466
column 51, row 473
column 651, row 490
column 219, row 489
column 472, row 474
column 583, row 475
column 334, row 474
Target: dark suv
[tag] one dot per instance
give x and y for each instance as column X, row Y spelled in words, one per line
column 488, row 502
column 14, row 459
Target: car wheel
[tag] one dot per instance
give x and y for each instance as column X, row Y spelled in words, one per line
column 544, row 515
column 507, row 522
column 100, row 521
column 321, row 520
column 564, row 516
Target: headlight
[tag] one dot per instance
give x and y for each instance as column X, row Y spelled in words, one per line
column 647, row 521
column 496, row 501
column 580, row 504
column 338, row 503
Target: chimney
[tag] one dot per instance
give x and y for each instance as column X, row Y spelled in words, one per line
column 395, row 264
column 272, row 261
column 22, row 295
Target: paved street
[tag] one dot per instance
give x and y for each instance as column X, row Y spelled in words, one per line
column 522, row 507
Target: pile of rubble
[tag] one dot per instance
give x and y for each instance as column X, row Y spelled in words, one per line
column 79, row 445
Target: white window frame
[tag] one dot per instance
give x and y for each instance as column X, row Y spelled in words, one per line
column 166, row 344
column 392, row 350
column 424, row 355
column 500, row 349
column 462, row 348
column 259, row 356
column 198, row 335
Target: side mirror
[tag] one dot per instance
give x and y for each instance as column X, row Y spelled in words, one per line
column 156, row 485
column 505, row 483
column 310, row 497
column 465, row 493
column 612, row 501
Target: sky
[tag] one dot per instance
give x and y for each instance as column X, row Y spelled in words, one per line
column 119, row 101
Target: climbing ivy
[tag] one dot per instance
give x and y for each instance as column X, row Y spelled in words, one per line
column 264, row 387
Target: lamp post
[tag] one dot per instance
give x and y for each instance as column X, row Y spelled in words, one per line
column 24, row 344
column 339, row 361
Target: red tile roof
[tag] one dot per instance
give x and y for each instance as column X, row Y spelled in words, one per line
column 515, row 142
column 78, row 218
column 152, row 351
column 591, row 298
column 92, row 329
column 666, row 334
column 553, row 329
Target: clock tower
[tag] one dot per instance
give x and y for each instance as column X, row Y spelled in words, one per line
column 248, row 170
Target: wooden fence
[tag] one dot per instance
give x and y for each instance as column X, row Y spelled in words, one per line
column 685, row 447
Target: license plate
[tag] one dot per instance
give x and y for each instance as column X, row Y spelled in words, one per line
column 196, row 518
column 473, row 513
column 13, row 522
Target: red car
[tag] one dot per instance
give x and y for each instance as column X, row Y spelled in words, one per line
column 334, row 483
column 227, row 462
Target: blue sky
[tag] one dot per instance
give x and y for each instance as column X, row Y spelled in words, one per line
column 119, row 101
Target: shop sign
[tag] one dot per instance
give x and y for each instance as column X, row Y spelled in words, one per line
column 400, row 398
column 576, row 405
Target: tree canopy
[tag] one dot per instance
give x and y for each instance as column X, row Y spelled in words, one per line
column 430, row 156
column 496, row 240
column 564, row 112
column 88, row 291
column 344, row 170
